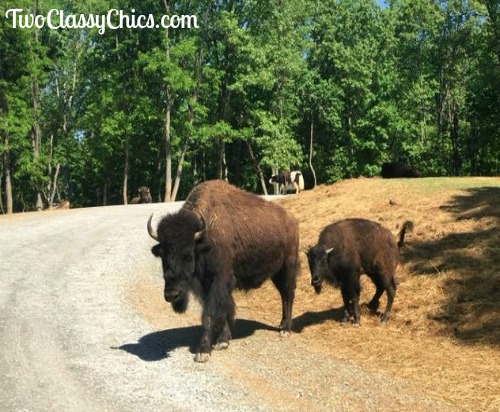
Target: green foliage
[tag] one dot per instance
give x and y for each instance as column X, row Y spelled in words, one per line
column 417, row 81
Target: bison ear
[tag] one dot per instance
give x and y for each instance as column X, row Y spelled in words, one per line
column 156, row 250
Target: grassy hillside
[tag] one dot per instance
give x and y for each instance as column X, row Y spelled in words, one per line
column 445, row 329
column 444, row 334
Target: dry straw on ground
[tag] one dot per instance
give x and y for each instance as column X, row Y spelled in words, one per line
column 444, row 334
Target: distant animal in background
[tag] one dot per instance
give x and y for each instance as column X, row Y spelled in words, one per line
column 348, row 248
column 396, row 169
column 63, row 204
column 288, row 181
column 144, row 196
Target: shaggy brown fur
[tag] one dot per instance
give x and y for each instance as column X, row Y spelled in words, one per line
column 350, row 247
column 144, row 196
column 225, row 238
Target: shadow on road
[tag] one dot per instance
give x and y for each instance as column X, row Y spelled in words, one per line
column 307, row 319
column 158, row 345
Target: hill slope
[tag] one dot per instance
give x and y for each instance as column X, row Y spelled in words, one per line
column 445, row 330
column 444, row 333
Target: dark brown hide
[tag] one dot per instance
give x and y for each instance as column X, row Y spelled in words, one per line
column 144, row 196
column 225, row 238
column 395, row 169
column 349, row 248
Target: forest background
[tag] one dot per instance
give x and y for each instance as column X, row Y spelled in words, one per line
column 331, row 87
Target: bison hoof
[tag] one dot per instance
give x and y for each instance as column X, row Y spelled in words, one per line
column 201, row 357
column 221, row 345
column 356, row 324
column 285, row 333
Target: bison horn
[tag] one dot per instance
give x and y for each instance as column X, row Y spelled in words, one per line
column 151, row 231
column 328, row 251
column 198, row 235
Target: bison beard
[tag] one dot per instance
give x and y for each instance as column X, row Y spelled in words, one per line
column 225, row 238
column 350, row 247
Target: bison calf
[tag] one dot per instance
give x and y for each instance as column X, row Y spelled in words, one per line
column 349, row 248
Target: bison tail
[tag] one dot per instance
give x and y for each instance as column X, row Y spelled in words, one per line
column 407, row 227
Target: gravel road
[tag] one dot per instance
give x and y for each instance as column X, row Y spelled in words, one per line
column 71, row 341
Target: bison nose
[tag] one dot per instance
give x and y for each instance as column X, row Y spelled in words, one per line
column 316, row 283
column 171, row 295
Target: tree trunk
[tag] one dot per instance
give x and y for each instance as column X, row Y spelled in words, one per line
column 168, row 109
column 473, row 149
column 311, row 151
column 54, row 186
column 105, row 194
column 125, row 175
column 453, row 122
column 36, row 133
column 258, row 169
column 180, row 164
column 178, row 173
column 222, row 172
column 158, row 172
column 168, row 156
column 8, row 182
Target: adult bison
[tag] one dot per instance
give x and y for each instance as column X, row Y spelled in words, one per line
column 225, row 238
column 144, row 196
column 350, row 247
column 396, row 169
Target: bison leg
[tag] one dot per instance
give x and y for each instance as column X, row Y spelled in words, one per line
column 356, row 310
column 218, row 307
column 224, row 337
column 347, row 304
column 350, row 295
column 374, row 303
column 285, row 283
column 391, row 292
column 203, row 354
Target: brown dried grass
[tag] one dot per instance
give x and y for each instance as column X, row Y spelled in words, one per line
column 444, row 334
